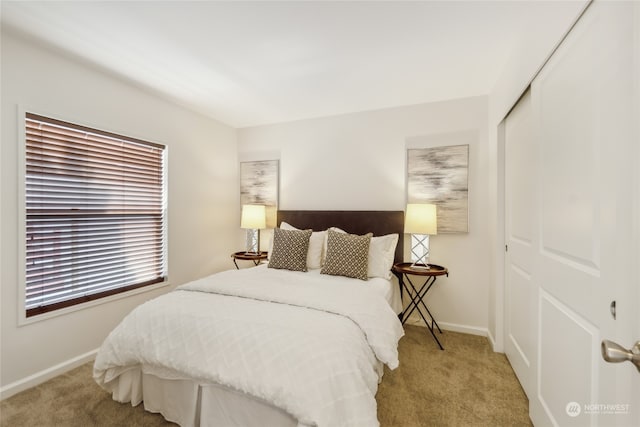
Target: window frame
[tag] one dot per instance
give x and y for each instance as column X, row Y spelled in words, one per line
column 23, row 319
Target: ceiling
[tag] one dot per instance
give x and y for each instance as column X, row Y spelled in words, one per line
column 252, row 63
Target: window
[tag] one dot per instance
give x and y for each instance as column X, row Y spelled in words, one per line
column 94, row 214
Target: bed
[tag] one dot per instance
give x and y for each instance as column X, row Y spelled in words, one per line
column 266, row 346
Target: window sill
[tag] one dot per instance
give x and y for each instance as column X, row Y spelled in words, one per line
column 24, row 320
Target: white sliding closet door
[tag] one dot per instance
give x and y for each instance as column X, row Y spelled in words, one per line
column 571, row 152
column 521, row 292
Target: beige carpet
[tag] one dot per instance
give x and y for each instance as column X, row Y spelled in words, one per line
column 465, row 385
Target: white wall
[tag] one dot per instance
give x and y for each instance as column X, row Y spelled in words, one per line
column 203, row 197
column 528, row 56
column 357, row 161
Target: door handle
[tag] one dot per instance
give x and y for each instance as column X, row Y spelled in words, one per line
column 614, row 353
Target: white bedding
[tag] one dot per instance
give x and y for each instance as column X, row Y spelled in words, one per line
column 315, row 351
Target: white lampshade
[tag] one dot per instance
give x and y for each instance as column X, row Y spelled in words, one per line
column 253, row 217
column 421, row 218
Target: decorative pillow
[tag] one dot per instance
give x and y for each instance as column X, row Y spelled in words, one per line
column 347, row 255
column 290, row 249
column 315, row 256
column 339, row 230
column 382, row 252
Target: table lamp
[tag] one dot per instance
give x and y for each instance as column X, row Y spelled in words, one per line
column 420, row 221
column 253, row 219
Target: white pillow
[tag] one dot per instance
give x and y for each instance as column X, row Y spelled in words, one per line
column 382, row 252
column 315, row 256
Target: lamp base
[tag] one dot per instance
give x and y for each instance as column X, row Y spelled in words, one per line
column 253, row 241
column 418, row 266
column 420, row 250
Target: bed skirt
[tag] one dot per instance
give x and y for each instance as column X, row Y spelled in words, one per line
column 193, row 404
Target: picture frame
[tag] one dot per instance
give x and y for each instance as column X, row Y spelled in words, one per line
column 439, row 175
column 259, row 185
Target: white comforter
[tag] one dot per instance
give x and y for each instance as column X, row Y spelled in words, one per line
column 314, row 350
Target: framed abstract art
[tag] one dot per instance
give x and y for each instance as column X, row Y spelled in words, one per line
column 439, row 175
column 259, row 185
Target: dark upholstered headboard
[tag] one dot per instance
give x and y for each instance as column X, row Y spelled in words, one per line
column 356, row 222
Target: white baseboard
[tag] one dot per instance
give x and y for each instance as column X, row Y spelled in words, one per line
column 491, row 340
column 46, row 374
column 465, row 329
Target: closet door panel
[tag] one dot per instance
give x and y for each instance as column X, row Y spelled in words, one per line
column 581, row 102
column 521, row 235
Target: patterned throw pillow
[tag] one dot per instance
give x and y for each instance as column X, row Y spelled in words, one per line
column 347, row 255
column 315, row 256
column 290, row 249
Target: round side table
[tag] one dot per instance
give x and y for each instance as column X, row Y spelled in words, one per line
column 402, row 271
column 256, row 257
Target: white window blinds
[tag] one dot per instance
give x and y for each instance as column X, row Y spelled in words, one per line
column 94, row 214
